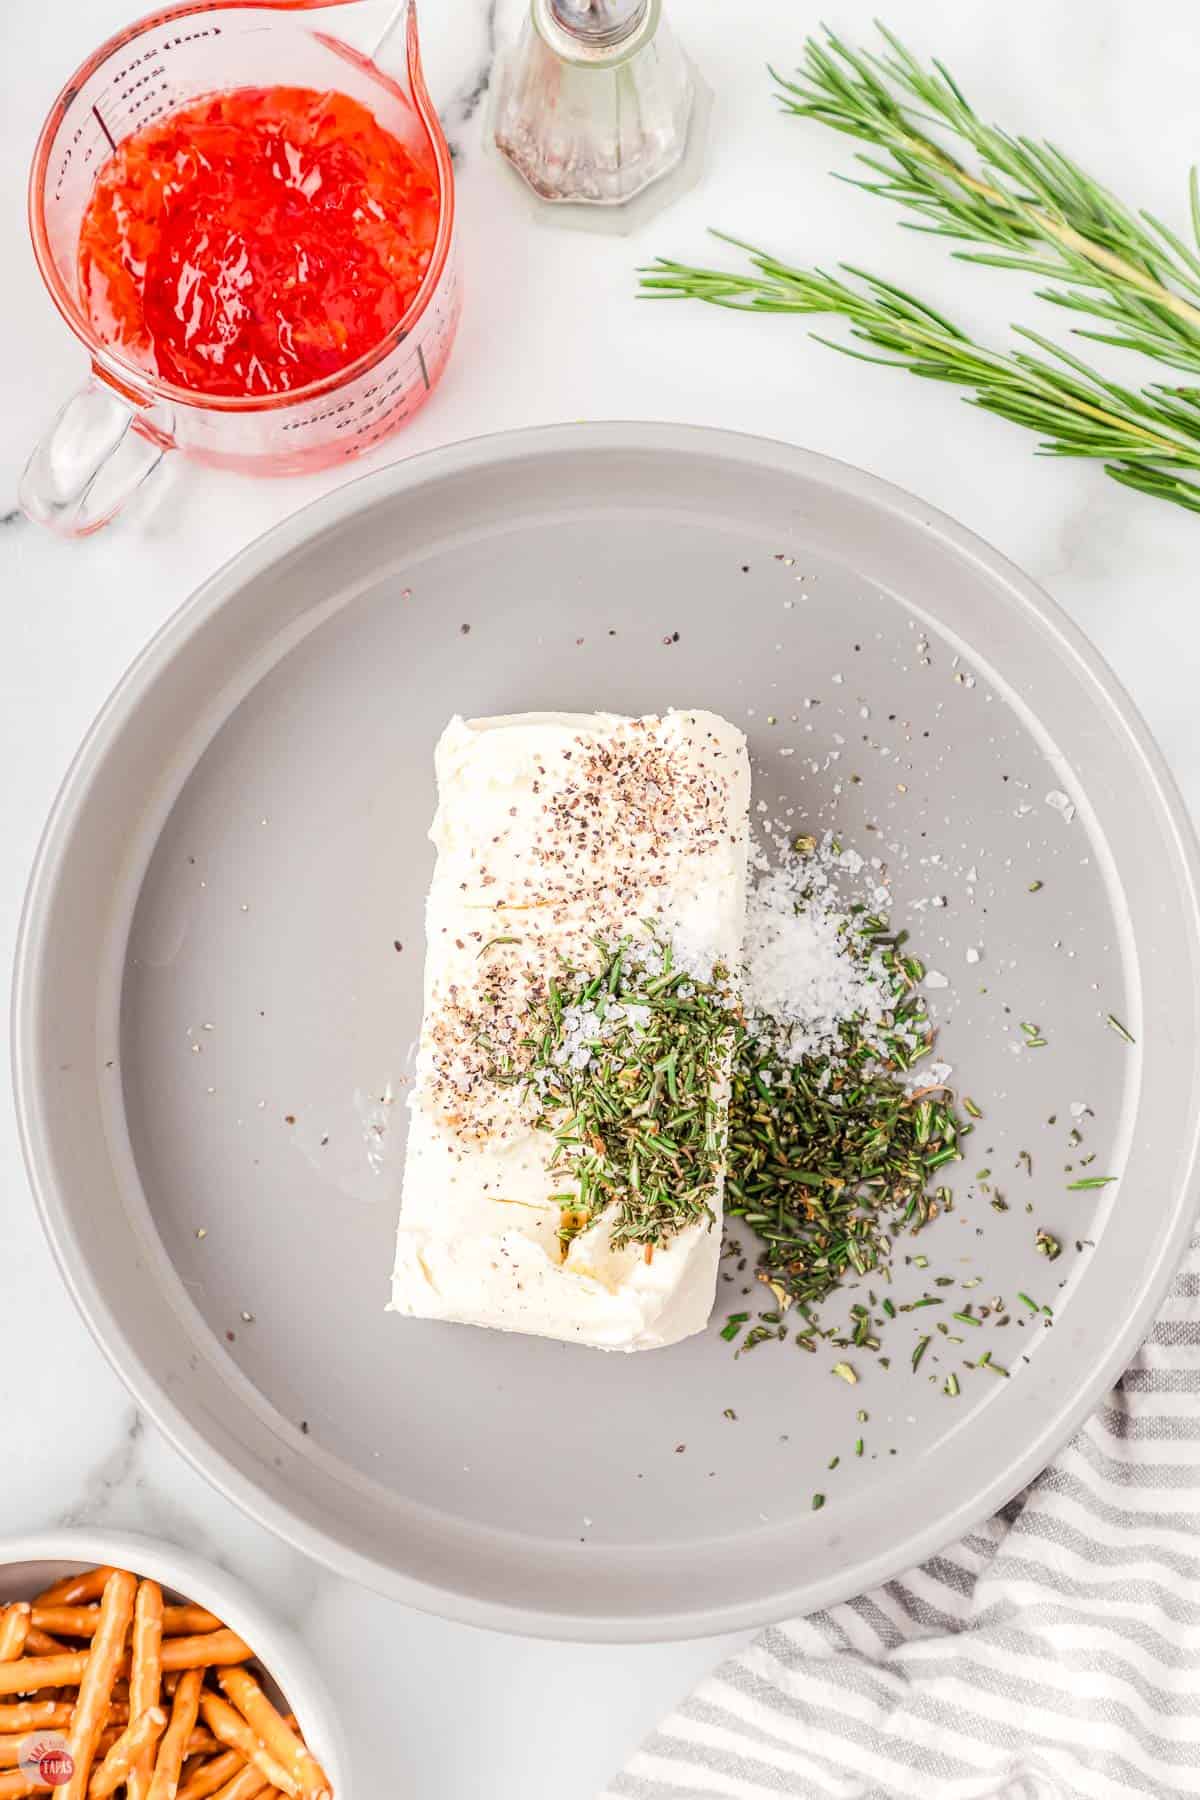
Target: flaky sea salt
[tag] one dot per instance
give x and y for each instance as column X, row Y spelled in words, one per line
column 801, row 977
column 1061, row 803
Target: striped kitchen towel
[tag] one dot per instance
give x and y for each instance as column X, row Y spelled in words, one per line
column 1054, row 1652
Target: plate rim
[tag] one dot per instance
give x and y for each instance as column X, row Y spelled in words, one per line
column 268, row 548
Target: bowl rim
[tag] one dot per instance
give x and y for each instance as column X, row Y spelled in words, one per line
column 288, row 1661
column 319, row 1540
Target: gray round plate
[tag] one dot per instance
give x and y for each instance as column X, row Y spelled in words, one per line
column 219, row 986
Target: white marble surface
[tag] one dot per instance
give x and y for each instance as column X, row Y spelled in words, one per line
column 552, row 331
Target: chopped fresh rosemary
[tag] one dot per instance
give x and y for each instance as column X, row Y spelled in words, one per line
column 626, row 1066
column 831, row 1154
column 826, row 1157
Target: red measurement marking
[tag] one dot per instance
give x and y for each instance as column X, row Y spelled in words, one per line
column 256, row 241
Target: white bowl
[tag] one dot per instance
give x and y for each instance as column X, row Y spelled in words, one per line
column 30, row 1564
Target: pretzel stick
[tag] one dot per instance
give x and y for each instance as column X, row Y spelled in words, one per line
column 145, row 1676
column 211, row 1776
column 66, row 1668
column 96, row 1684
column 36, row 1715
column 14, row 1629
column 189, row 1621
column 201, row 1743
column 11, row 1748
column 14, row 1784
column 173, row 1744
column 137, row 1740
column 277, row 1736
column 230, row 1728
column 211, row 1648
column 74, row 1590
column 81, row 1621
column 245, row 1786
column 67, row 1621
column 40, row 1643
column 35, row 1672
column 12, row 1745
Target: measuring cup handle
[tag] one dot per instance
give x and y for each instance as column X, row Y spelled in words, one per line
column 95, row 456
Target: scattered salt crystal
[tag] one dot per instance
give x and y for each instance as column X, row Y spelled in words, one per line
column 838, row 680
column 935, row 979
column 972, row 954
column 1078, row 1108
column 1061, row 803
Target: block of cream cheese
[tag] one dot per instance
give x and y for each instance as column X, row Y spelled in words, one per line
column 553, row 831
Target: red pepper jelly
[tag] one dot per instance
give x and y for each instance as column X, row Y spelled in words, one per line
column 257, row 240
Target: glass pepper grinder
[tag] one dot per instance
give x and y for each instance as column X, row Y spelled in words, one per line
column 595, row 100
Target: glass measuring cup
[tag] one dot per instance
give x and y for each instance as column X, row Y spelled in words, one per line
column 116, row 429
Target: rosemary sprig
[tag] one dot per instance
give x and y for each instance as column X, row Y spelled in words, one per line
column 1146, row 439
column 1043, row 214
column 1037, row 211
